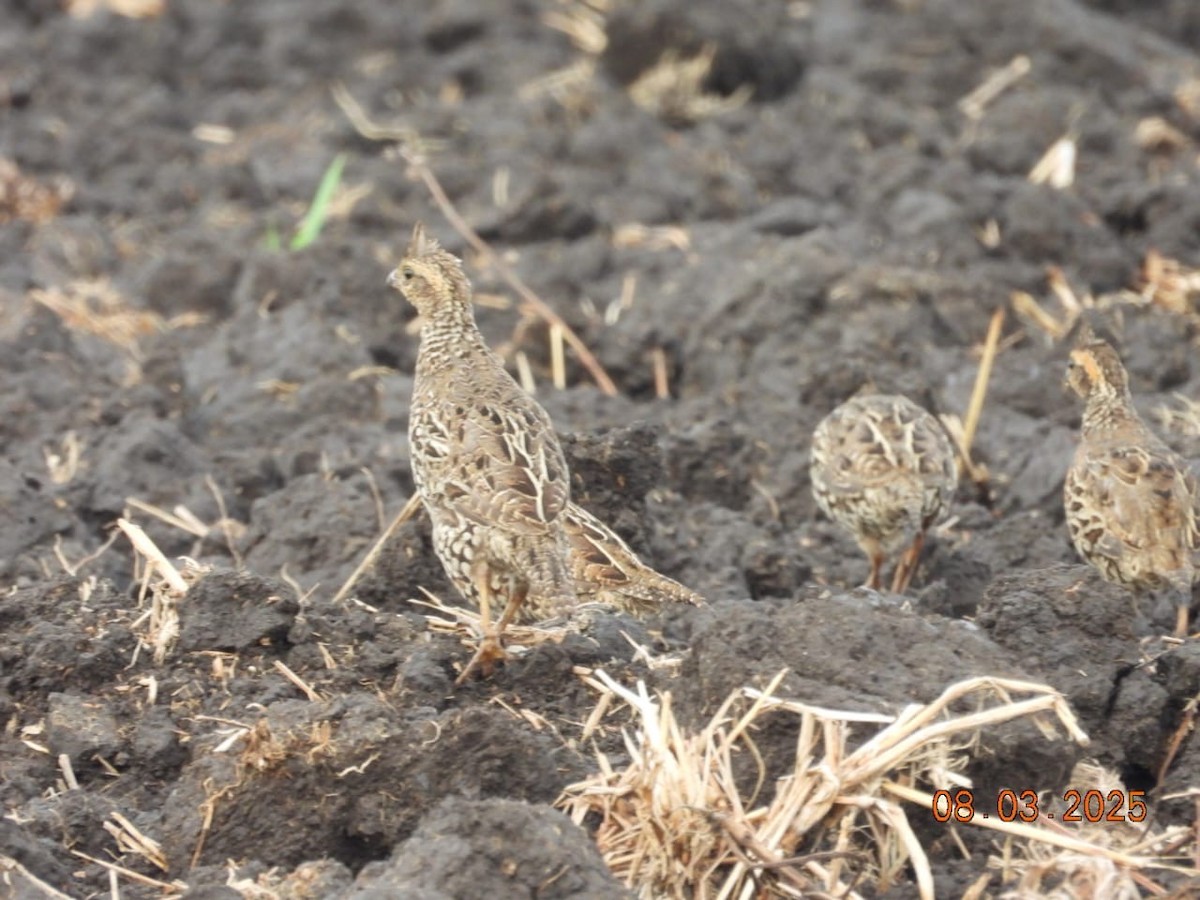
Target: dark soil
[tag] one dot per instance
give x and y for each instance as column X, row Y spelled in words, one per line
column 835, row 227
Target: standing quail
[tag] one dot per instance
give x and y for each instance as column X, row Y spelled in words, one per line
column 489, row 469
column 1130, row 501
column 884, row 469
column 485, row 458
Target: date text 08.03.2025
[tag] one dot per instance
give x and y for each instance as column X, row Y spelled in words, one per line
column 1024, row 806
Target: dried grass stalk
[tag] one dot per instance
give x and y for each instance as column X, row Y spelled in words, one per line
column 131, row 840
column 23, row 197
column 673, row 822
column 649, row 237
column 1027, row 308
column 171, row 586
column 1169, row 284
column 1056, row 168
column 1094, row 859
column 13, row 875
column 410, row 509
column 467, row 624
column 130, row 9
column 673, row 88
column 964, row 436
column 97, row 308
column 996, row 83
column 419, row 169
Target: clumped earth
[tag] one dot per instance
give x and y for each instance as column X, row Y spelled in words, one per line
column 766, row 256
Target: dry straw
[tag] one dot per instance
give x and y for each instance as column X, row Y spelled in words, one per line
column 166, row 586
column 674, row 823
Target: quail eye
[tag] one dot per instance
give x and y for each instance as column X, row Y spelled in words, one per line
column 407, row 273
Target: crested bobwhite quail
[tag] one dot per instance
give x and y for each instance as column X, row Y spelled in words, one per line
column 1130, row 501
column 489, row 469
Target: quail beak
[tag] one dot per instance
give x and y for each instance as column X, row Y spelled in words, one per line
column 393, row 279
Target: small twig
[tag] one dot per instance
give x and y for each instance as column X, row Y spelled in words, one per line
column 8, row 864
column 558, row 363
column 68, row 772
column 130, row 839
column 362, row 122
column 209, row 807
column 172, row 886
column 413, row 504
column 587, row 359
column 1187, row 722
column 1000, row 80
column 599, row 711
column 376, row 496
column 299, row 682
column 658, row 360
column 1026, row 306
column 157, row 559
column 171, row 519
column 224, row 523
column 1056, row 278
column 979, row 392
column 612, row 312
column 71, row 568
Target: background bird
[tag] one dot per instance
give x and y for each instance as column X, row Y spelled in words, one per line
column 489, row 469
column 883, row 468
column 1130, row 501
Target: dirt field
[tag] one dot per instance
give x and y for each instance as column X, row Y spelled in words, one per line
column 811, row 197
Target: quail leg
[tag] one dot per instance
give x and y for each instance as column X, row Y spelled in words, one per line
column 907, row 566
column 490, row 647
column 516, row 598
column 489, row 644
column 875, row 556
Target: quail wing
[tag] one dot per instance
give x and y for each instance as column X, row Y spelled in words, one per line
column 498, row 462
column 1133, row 505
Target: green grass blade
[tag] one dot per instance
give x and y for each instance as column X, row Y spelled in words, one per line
column 272, row 239
column 310, row 226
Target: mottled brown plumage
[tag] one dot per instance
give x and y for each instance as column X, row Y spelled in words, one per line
column 1130, row 501
column 489, row 469
column 605, row 570
column 884, row 469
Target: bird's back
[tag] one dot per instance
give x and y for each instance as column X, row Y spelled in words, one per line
column 882, row 466
column 1131, row 509
column 490, row 470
